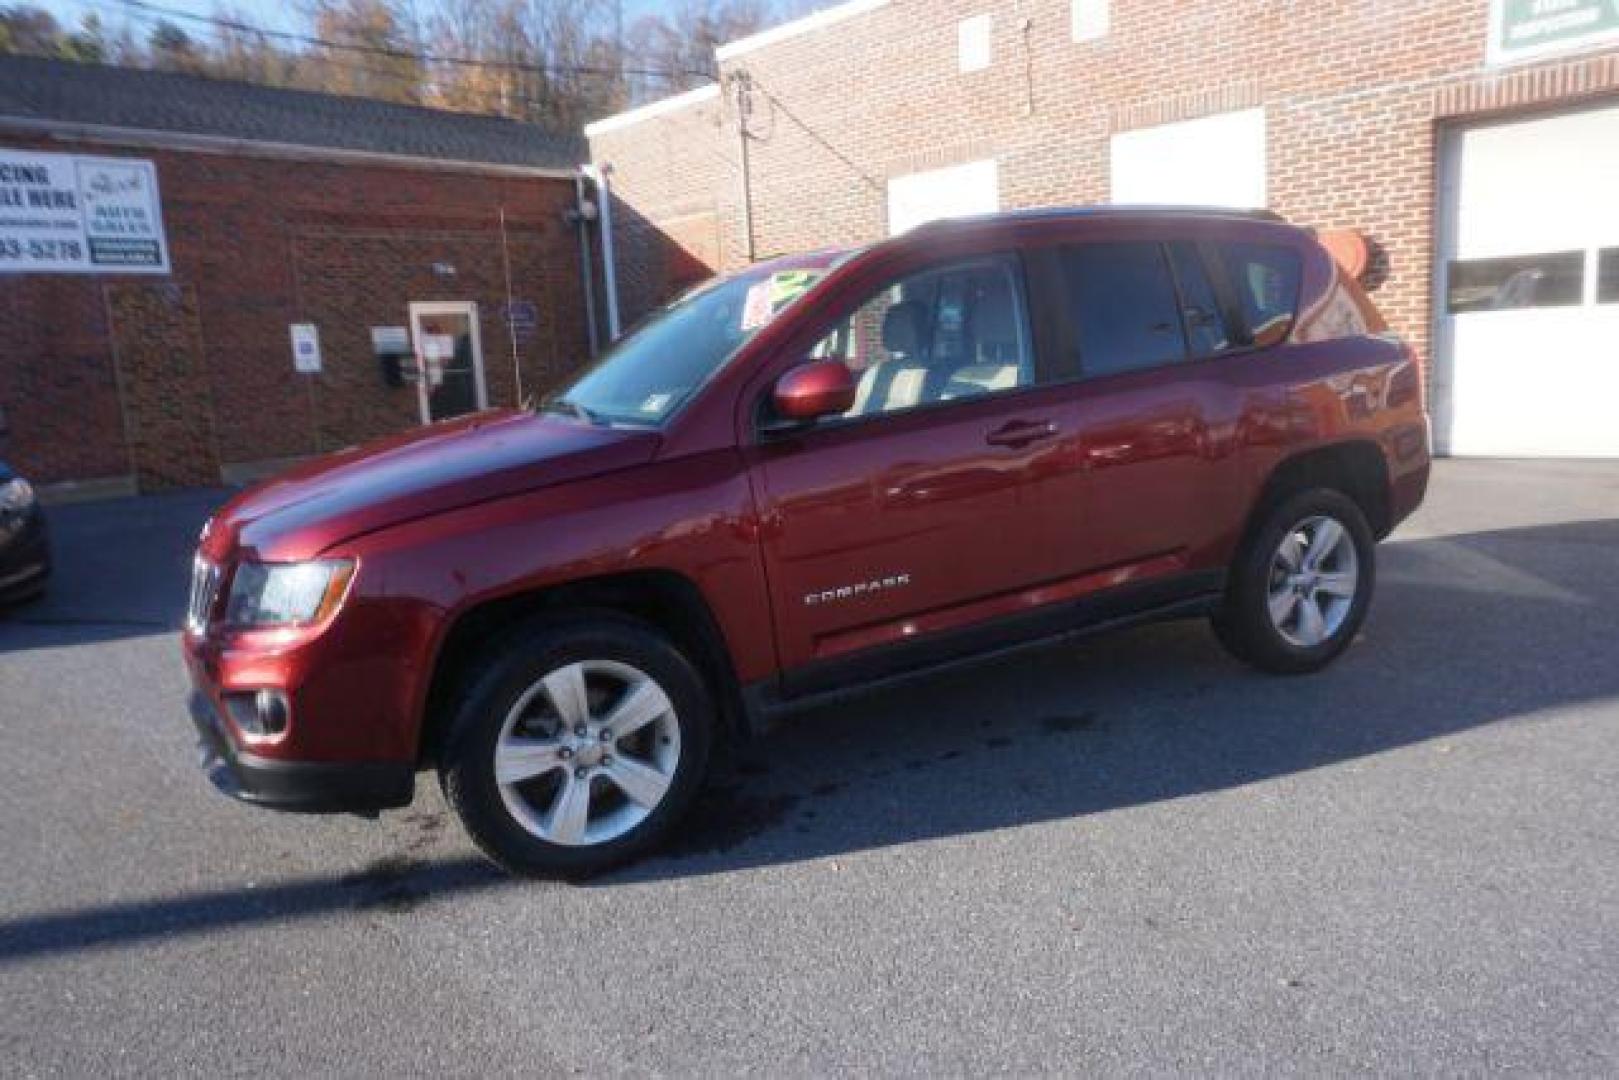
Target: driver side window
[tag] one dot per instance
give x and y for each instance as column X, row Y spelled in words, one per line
column 938, row 335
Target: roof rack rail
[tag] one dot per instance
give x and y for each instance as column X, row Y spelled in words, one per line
column 1107, row 210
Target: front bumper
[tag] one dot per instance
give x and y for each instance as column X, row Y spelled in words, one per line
column 313, row 787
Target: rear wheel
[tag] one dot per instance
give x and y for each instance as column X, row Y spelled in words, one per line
column 1301, row 586
column 578, row 747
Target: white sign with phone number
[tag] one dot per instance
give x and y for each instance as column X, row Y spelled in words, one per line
column 65, row 214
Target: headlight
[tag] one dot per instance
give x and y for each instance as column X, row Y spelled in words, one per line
column 16, row 495
column 282, row 594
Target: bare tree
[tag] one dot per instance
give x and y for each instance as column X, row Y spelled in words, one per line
column 682, row 42
column 381, row 59
column 251, row 56
column 29, row 30
column 552, row 62
column 170, row 48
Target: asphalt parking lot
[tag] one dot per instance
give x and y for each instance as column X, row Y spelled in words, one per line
column 1128, row 856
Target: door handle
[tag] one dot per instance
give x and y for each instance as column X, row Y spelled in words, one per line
column 1019, row 433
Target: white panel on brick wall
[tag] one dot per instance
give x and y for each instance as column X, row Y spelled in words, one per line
column 974, row 44
column 958, row 191
column 1212, row 161
column 1091, row 19
column 1528, row 297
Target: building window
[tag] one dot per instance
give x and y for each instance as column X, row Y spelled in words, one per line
column 1091, row 19
column 974, row 46
column 1608, row 276
column 1556, row 279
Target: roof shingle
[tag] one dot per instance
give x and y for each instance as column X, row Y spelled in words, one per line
column 58, row 90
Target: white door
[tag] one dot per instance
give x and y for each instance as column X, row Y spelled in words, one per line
column 449, row 356
column 1526, row 343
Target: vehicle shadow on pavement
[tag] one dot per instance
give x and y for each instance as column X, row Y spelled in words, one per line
column 377, row 888
column 1467, row 631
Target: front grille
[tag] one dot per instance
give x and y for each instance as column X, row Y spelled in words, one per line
column 204, row 591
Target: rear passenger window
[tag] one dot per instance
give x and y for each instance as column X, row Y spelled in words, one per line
column 1122, row 300
column 1200, row 311
column 1265, row 278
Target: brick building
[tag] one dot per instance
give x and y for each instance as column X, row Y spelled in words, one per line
column 168, row 358
column 1474, row 144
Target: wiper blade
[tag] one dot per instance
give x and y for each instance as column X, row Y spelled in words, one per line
column 573, row 408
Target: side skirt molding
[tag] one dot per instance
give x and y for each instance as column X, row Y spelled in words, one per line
column 768, row 702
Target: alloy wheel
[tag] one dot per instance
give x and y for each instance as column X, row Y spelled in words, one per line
column 1314, row 575
column 587, row 753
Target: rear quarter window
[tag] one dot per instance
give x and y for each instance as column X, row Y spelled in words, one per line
column 1265, row 283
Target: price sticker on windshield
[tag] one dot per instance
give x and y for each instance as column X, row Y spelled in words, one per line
column 768, row 298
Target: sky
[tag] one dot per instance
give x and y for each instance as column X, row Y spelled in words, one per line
column 270, row 14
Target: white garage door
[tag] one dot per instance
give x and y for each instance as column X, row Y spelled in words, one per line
column 959, row 191
column 1214, row 161
column 1527, row 341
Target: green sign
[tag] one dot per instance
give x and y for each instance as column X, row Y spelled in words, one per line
column 1524, row 28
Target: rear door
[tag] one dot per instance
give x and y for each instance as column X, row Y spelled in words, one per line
column 1149, row 339
column 903, row 522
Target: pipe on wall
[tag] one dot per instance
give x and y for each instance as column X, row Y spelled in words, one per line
column 598, row 175
column 582, row 214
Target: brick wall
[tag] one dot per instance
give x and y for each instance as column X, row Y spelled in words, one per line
column 673, row 205
column 1354, row 92
column 163, row 384
column 257, row 244
column 58, row 387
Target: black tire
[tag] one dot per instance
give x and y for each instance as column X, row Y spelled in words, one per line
column 467, row 759
column 1244, row 624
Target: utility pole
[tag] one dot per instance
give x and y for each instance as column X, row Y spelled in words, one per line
column 618, row 49
column 741, row 84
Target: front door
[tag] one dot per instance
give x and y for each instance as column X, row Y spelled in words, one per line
column 449, row 357
column 903, row 521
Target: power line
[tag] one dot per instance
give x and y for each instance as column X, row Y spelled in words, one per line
column 509, row 96
column 776, row 102
column 402, row 54
column 295, row 58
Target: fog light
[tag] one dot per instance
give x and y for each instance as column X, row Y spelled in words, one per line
column 261, row 714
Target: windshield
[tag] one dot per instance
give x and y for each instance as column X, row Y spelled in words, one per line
column 649, row 374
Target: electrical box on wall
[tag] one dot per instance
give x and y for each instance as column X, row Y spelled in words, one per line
column 391, row 346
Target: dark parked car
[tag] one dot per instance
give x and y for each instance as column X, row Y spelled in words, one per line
column 819, row 474
column 25, row 560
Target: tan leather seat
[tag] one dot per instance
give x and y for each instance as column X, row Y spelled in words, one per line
column 900, row 381
column 996, row 356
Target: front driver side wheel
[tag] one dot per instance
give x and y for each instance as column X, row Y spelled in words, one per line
column 578, row 746
column 1301, row 585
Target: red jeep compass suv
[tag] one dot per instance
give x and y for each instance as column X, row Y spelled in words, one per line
column 820, row 473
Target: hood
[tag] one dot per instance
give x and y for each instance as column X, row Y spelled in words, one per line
column 430, row 470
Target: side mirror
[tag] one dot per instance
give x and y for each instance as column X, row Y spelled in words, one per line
column 813, row 390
